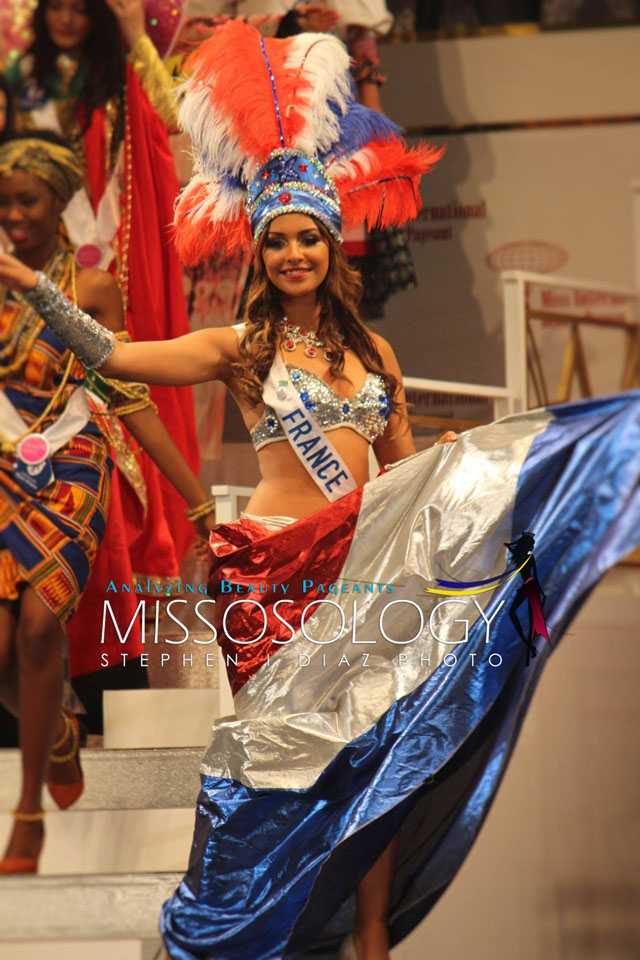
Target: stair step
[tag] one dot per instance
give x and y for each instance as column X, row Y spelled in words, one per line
column 107, row 907
column 113, row 841
column 121, row 779
column 81, row 950
column 176, row 717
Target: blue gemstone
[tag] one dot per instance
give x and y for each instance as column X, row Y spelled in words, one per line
column 295, row 376
column 304, row 395
column 309, row 405
column 345, row 408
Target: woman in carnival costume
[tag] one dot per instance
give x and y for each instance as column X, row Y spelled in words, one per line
column 339, row 804
column 54, row 476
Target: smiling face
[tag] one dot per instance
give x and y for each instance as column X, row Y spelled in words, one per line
column 29, row 212
column 68, row 24
column 295, row 255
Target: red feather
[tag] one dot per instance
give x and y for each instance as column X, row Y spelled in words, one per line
column 196, row 240
column 386, row 191
column 231, row 64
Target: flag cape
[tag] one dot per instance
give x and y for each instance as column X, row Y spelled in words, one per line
column 329, row 758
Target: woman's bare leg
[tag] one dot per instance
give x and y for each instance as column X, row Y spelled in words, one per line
column 373, row 893
column 39, row 642
column 8, row 657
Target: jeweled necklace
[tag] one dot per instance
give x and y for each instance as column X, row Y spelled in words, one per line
column 293, row 335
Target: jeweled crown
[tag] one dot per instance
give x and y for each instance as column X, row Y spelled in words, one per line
column 292, row 182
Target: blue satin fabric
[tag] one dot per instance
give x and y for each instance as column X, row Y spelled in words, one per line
column 273, row 872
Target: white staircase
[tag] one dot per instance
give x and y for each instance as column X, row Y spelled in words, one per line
column 111, row 861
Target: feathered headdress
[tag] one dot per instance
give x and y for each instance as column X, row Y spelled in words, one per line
column 275, row 130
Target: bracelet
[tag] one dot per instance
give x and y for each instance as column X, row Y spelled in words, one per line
column 202, row 510
column 92, row 343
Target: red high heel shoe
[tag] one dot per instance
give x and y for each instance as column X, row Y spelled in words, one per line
column 65, row 794
column 11, row 865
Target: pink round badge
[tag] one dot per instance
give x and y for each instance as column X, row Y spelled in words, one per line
column 88, row 255
column 33, row 449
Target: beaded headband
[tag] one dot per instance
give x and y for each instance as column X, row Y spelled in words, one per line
column 275, row 130
column 291, row 182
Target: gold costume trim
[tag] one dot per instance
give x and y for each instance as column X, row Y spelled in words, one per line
column 156, row 82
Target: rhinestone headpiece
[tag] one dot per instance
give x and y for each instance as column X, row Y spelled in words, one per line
column 291, row 182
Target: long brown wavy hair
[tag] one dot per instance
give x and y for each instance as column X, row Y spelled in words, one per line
column 339, row 296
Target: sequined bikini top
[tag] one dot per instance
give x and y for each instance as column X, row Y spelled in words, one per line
column 367, row 413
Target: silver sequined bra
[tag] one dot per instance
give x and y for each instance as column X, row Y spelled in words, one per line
column 367, row 413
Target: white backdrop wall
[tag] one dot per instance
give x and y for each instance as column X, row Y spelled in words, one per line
column 554, row 199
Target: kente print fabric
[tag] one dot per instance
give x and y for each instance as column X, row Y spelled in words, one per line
column 50, row 539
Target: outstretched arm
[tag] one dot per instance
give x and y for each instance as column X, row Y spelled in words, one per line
column 193, row 358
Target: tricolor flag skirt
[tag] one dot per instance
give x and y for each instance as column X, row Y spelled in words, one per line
column 367, row 705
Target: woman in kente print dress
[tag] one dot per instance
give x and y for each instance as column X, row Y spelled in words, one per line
column 54, row 479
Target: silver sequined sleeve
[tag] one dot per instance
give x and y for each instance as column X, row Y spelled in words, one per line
column 92, row 343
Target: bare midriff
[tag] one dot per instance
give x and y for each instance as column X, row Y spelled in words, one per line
column 286, row 489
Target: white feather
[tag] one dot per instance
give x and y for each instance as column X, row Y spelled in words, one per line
column 218, row 204
column 214, row 152
column 347, row 169
column 325, row 63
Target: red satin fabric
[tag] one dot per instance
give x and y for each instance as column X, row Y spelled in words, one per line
column 157, row 310
column 314, row 548
column 157, row 307
column 95, row 144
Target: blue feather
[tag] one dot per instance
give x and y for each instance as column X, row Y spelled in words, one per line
column 230, row 183
column 360, row 126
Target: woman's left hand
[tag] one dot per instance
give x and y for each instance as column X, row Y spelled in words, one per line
column 15, row 274
column 203, row 526
column 130, row 14
column 449, row 437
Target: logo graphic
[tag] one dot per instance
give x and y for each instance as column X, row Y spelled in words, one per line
column 537, row 255
column 530, row 589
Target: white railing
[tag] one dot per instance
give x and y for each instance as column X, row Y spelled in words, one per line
column 512, row 398
column 505, row 401
column 619, row 312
